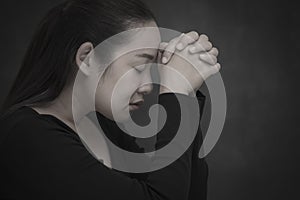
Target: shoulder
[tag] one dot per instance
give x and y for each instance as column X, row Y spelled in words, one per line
column 26, row 124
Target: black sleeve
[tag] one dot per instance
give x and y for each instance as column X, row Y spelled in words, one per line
column 199, row 169
column 198, row 189
column 49, row 163
column 198, row 166
column 188, row 174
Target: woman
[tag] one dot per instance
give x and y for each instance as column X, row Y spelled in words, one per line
column 42, row 155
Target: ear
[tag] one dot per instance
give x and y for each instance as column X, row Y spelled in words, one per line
column 82, row 59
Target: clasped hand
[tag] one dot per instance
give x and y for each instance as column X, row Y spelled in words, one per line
column 186, row 62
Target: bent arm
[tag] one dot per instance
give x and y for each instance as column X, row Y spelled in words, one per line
column 57, row 165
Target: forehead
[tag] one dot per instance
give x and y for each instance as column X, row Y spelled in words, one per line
column 123, row 47
column 141, row 40
column 146, row 53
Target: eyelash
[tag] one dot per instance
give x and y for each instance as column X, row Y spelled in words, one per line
column 140, row 70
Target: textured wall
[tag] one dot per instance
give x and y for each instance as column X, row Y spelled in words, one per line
column 256, row 156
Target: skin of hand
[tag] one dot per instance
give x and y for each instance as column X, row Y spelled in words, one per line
column 188, row 60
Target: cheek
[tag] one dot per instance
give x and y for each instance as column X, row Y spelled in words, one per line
column 113, row 95
column 112, row 105
column 102, row 97
column 126, row 84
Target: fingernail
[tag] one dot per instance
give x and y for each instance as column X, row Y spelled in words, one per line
column 179, row 46
column 192, row 49
column 164, row 60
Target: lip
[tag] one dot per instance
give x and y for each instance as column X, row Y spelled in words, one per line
column 133, row 107
column 136, row 104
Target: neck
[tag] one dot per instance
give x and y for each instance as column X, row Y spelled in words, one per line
column 61, row 108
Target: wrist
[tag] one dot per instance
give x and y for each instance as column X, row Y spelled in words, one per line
column 163, row 89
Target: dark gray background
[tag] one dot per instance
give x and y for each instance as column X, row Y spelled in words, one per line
column 256, row 155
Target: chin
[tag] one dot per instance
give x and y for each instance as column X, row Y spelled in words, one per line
column 120, row 116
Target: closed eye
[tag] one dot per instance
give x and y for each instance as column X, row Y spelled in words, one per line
column 147, row 56
column 140, row 68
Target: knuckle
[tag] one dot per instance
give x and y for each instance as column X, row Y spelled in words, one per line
column 218, row 66
column 195, row 34
column 203, row 37
column 163, row 45
column 209, row 45
column 170, row 48
column 202, row 45
column 191, row 36
column 199, row 46
column 193, row 49
column 184, row 38
column 173, row 41
column 208, row 58
column 183, row 41
column 216, row 51
column 167, row 54
column 211, row 59
column 214, row 59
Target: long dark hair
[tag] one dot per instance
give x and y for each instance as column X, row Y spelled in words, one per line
column 49, row 63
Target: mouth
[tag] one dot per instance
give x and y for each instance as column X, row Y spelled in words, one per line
column 136, row 105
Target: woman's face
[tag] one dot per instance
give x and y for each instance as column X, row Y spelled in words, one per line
column 128, row 77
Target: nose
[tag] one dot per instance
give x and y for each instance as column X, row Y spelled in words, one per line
column 146, row 85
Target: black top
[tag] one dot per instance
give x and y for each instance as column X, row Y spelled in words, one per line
column 42, row 158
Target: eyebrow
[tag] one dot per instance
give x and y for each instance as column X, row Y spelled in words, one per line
column 145, row 55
